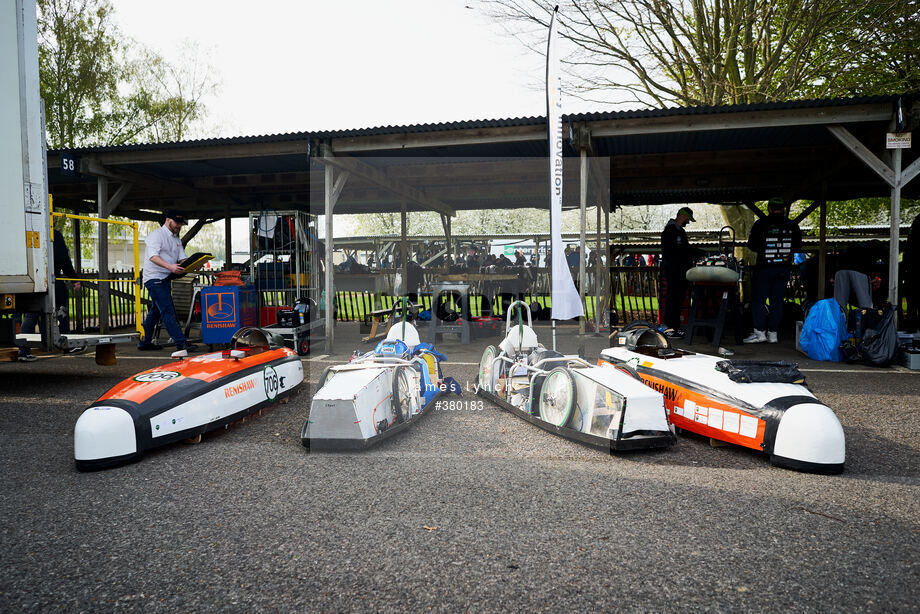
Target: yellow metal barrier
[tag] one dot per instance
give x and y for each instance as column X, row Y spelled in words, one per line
column 138, row 321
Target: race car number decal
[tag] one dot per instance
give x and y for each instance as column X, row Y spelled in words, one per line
column 157, row 376
column 272, row 382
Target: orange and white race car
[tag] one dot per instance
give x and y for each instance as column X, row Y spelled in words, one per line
column 185, row 398
column 764, row 406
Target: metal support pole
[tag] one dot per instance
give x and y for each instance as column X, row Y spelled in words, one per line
column 330, row 297
column 822, row 246
column 228, row 247
column 404, row 249
column 447, row 242
column 608, row 287
column 893, row 247
column 597, row 276
column 583, row 202
column 78, row 267
column 102, row 199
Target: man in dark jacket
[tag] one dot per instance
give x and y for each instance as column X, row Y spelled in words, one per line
column 912, row 263
column 677, row 256
column 63, row 267
column 775, row 239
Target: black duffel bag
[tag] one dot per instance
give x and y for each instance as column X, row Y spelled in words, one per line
column 754, row 371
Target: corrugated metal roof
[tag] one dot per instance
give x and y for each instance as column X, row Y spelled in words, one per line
column 498, row 123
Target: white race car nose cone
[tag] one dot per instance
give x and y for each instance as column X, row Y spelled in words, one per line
column 103, row 433
column 810, row 438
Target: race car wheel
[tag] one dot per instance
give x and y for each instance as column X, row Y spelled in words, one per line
column 637, row 324
column 405, row 395
column 628, row 370
column 557, row 397
column 484, row 378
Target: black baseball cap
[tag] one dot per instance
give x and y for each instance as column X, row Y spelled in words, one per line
column 175, row 215
column 776, row 203
column 686, row 211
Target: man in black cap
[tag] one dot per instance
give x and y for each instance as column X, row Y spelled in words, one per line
column 163, row 253
column 775, row 238
column 677, row 256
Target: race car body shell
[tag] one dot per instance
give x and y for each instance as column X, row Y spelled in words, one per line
column 785, row 420
column 179, row 400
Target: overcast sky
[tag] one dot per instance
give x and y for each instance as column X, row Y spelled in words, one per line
column 288, row 65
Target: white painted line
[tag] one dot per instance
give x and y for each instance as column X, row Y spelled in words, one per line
column 891, row 371
column 124, row 357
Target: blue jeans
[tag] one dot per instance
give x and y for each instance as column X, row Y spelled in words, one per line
column 769, row 282
column 61, row 300
column 161, row 310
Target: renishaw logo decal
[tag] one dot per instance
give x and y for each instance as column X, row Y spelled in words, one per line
column 232, row 391
column 157, row 376
column 669, row 393
column 220, row 309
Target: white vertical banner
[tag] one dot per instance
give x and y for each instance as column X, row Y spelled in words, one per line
column 566, row 304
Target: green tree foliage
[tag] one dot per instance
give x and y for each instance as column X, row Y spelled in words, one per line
column 713, row 52
column 101, row 88
column 662, row 53
column 883, row 49
column 78, row 69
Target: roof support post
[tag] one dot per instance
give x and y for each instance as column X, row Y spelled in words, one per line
column 333, row 190
column 445, row 221
column 78, row 267
column 896, row 179
column 753, row 207
column 373, row 175
column 192, row 232
column 861, row 152
column 801, row 216
column 822, row 243
column 910, row 172
column 895, row 229
column 228, row 248
column 327, row 291
column 404, row 248
column 608, row 287
column 102, row 251
column 582, row 203
column 597, row 276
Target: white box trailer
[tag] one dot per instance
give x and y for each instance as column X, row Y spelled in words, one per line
column 26, row 250
column 25, row 255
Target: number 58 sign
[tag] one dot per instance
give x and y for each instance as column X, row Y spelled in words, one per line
column 69, row 164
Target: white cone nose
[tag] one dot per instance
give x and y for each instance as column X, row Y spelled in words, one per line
column 810, row 433
column 103, row 432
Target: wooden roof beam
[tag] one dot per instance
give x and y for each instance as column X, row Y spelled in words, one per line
column 91, row 166
column 369, row 173
column 744, row 120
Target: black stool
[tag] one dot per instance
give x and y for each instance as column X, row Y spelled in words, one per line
column 729, row 306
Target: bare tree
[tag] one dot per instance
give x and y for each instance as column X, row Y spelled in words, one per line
column 704, row 52
column 659, row 53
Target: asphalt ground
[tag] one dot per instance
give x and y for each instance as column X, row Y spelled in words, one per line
column 471, row 509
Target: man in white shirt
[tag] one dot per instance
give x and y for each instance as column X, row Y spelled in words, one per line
column 164, row 252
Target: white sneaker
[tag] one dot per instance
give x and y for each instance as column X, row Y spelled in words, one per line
column 756, row 337
column 772, row 337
